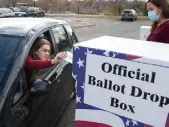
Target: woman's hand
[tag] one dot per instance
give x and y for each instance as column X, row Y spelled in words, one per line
column 59, row 57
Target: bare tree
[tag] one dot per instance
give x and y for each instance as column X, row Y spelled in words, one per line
column 87, row 3
column 78, row 6
column 44, row 4
column 145, row 12
column 60, row 6
column 9, row 3
column 98, row 5
column 111, row 7
column 27, row 1
column 74, row 6
column 56, row 5
column 52, row 5
column 13, row 2
column 67, row 4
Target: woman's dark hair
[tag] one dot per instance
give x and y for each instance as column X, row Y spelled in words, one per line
column 164, row 5
column 39, row 42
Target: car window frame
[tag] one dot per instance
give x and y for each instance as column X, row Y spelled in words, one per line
column 55, row 41
column 25, row 91
column 77, row 41
column 12, row 108
column 43, row 31
column 47, row 72
column 71, row 41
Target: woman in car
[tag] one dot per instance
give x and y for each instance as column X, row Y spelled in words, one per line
column 38, row 58
column 158, row 13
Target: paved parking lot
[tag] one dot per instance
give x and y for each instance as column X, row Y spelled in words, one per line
column 126, row 29
column 103, row 27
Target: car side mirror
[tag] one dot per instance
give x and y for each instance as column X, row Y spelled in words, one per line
column 40, row 87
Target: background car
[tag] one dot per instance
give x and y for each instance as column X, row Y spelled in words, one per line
column 45, row 101
column 6, row 12
column 129, row 14
column 17, row 12
column 35, row 12
column 24, row 8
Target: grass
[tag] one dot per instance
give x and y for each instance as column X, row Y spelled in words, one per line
column 93, row 16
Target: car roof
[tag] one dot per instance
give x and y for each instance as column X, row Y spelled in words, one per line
column 5, row 8
column 21, row 26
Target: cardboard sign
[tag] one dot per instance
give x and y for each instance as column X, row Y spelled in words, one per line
column 144, row 32
column 121, row 83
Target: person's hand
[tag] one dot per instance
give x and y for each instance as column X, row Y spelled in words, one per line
column 59, row 57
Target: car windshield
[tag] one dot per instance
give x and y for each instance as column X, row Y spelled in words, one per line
column 8, row 47
column 16, row 9
column 127, row 11
column 31, row 9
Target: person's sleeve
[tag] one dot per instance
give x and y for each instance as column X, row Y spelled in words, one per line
column 37, row 64
column 165, row 36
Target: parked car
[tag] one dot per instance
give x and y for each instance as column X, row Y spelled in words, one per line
column 17, row 12
column 24, row 8
column 35, row 12
column 38, row 106
column 6, row 12
column 129, row 14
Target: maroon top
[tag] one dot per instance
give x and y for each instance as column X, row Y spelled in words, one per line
column 32, row 64
column 160, row 34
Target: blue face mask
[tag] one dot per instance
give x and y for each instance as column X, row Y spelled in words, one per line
column 153, row 15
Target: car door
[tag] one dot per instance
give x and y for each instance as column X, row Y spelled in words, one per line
column 15, row 110
column 70, row 39
column 12, row 84
column 46, row 110
column 63, row 42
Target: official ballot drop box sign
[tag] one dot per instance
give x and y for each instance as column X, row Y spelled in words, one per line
column 121, row 83
column 144, row 32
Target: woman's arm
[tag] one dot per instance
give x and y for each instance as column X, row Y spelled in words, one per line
column 40, row 64
column 37, row 64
